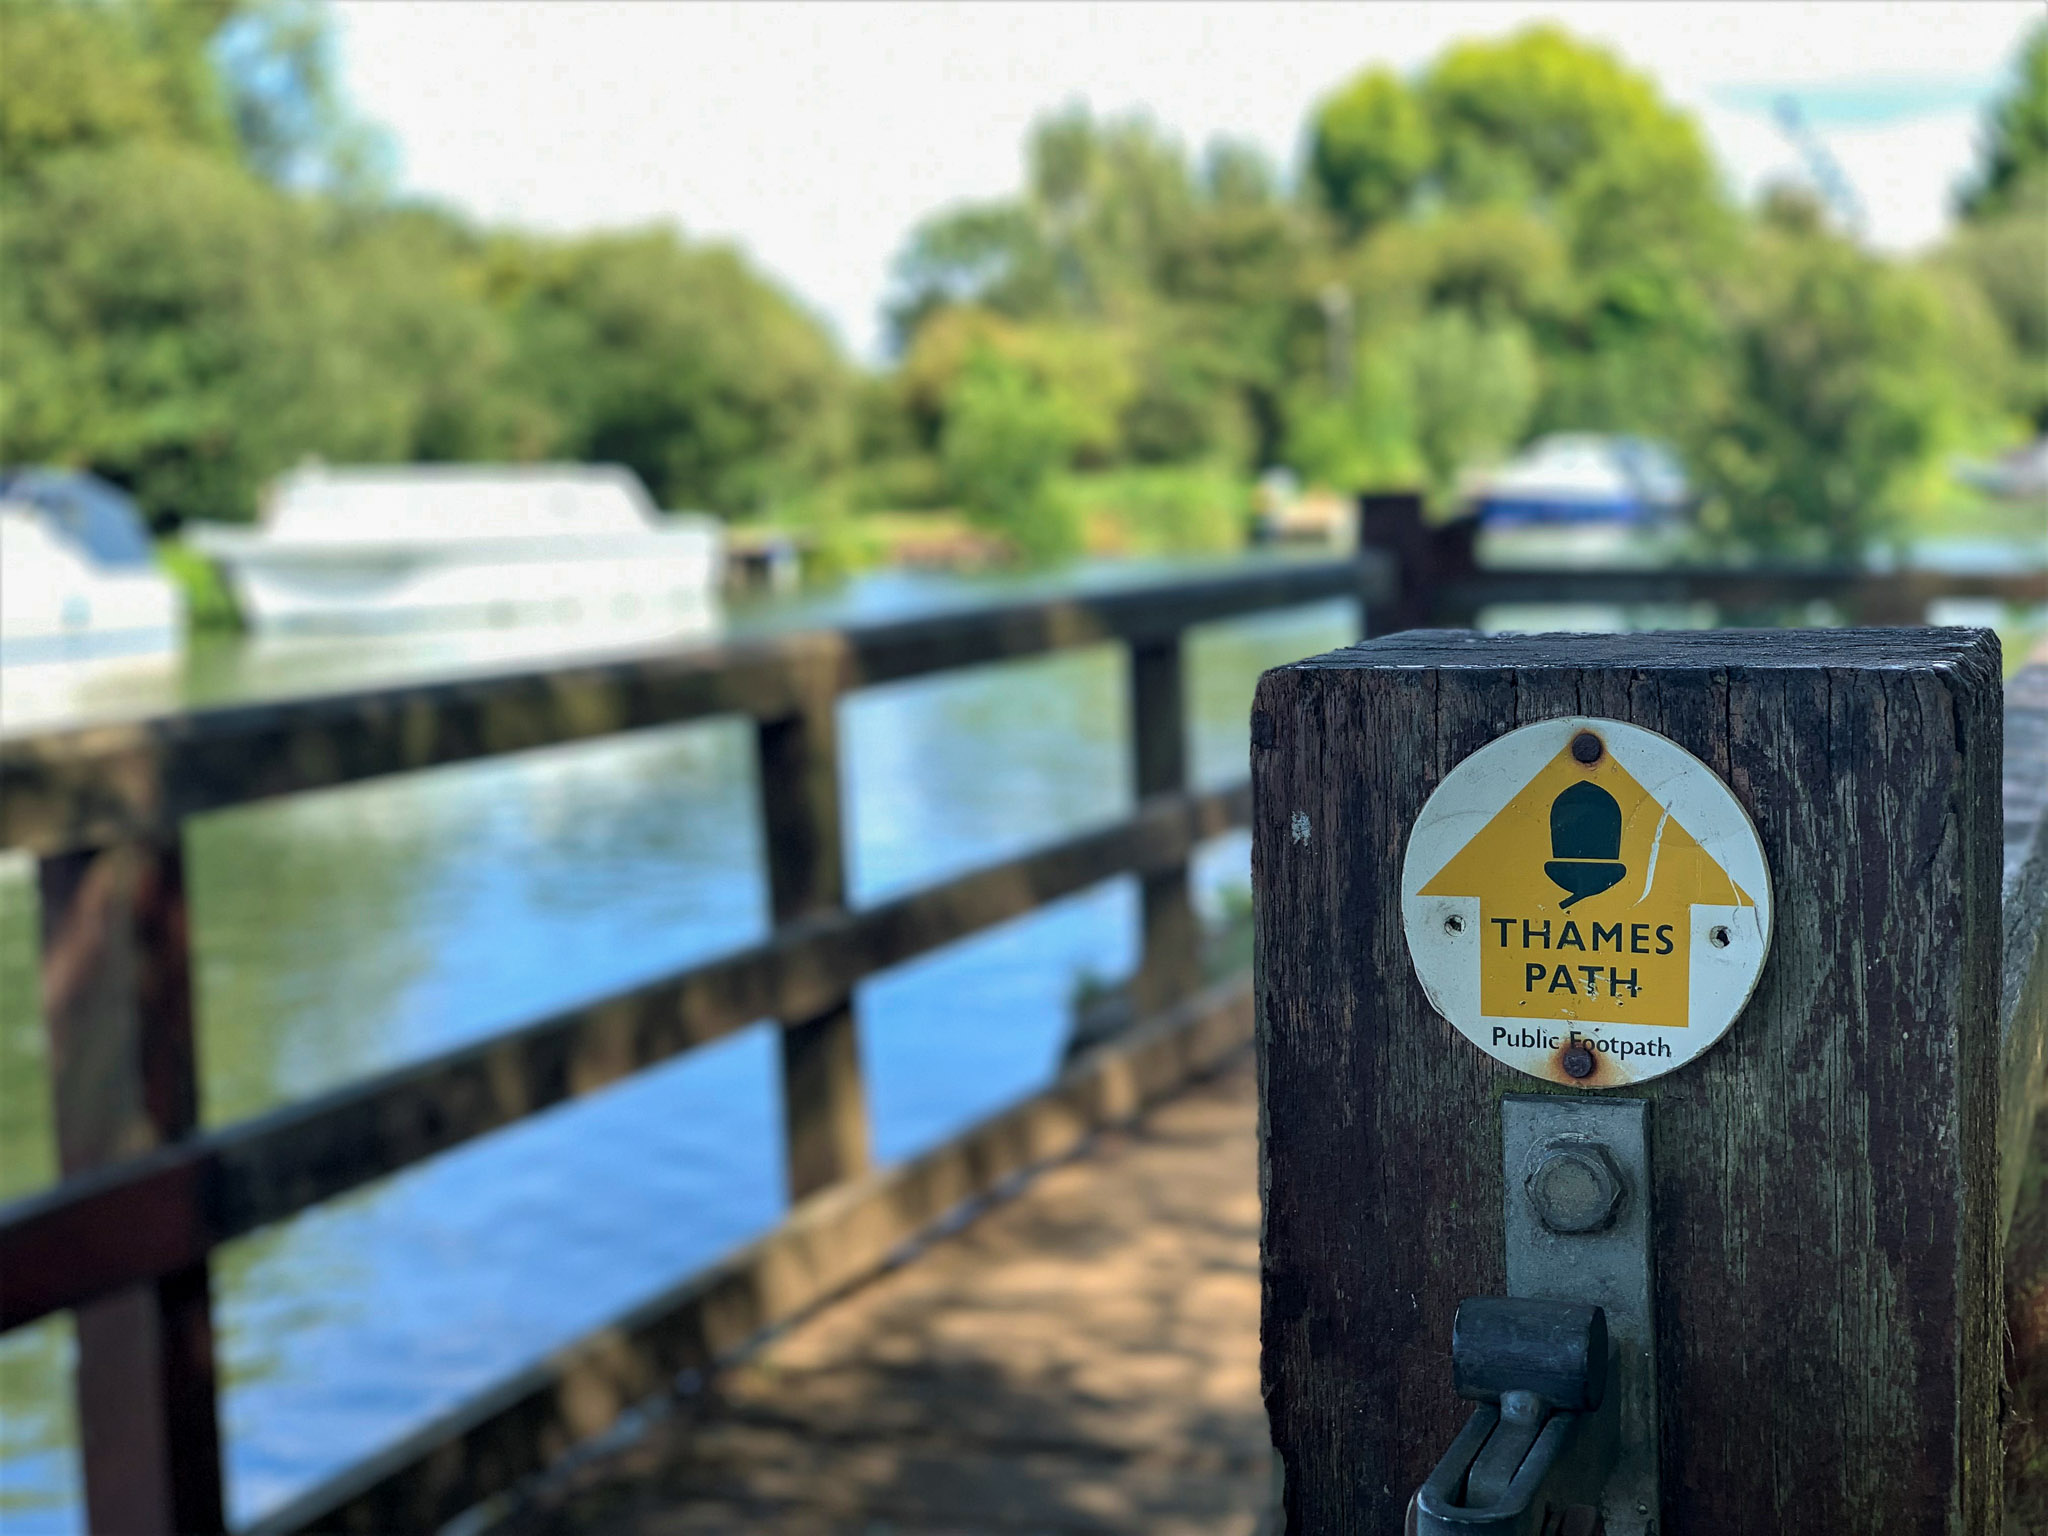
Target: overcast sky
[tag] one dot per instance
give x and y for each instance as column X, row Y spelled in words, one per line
column 816, row 135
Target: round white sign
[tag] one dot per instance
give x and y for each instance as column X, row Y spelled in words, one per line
column 1586, row 901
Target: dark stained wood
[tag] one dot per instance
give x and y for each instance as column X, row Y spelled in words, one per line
column 830, row 1242
column 1425, row 558
column 1170, row 964
column 117, row 1005
column 1826, row 1176
column 824, row 1107
column 97, row 784
column 167, row 1209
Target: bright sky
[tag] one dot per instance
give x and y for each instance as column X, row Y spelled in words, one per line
column 816, row 135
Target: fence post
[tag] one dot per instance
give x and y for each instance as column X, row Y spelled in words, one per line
column 1824, row 1178
column 824, row 1107
column 117, row 1008
column 1171, row 964
column 1428, row 561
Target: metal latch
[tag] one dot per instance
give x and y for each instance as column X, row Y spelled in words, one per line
column 1532, row 1459
column 1565, row 1443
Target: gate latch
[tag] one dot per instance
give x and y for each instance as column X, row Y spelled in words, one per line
column 1564, row 1366
column 1533, row 1457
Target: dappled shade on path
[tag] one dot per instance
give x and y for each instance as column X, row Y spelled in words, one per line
column 1081, row 1359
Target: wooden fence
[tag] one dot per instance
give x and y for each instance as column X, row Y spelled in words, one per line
column 146, row 1194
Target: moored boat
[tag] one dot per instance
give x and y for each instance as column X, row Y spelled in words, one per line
column 451, row 545
column 78, row 578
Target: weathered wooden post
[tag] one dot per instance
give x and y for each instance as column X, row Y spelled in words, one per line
column 1430, row 560
column 1817, row 1208
column 117, row 1008
column 1170, row 967
column 824, row 1109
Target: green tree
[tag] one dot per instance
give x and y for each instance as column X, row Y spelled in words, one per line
column 1371, row 147
column 2001, row 247
column 2016, row 137
column 172, row 324
column 1842, row 399
column 97, row 76
column 676, row 360
column 1007, row 436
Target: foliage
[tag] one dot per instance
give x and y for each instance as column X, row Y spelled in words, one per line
column 1370, row 148
column 204, row 279
column 173, row 328
column 1842, row 394
column 2016, row 140
column 209, row 606
column 201, row 284
column 674, row 360
column 1161, row 509
column 1008, row 433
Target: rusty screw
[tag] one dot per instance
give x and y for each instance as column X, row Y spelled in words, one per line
column 1586, row 748
column 1578, row 1061
column 1574, row 1187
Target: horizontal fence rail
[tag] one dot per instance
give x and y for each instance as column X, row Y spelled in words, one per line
column 153, row 1215
column 83, row 787
column 124, row 1239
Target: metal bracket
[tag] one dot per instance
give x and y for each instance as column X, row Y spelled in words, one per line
column 1578, row 1229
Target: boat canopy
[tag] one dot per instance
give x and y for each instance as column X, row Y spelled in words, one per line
column 1575, row 477
column 432, row 503
column 83, row 512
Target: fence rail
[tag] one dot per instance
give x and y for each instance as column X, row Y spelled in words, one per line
column 123, row 1240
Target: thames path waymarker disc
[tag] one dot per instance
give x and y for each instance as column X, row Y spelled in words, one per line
column 1586, row 901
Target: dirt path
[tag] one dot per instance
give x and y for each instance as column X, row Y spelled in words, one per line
column 1081, row 1359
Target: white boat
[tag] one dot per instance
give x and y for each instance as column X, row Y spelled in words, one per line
column 455, row 545
column 78, row 580
column 1582, row 477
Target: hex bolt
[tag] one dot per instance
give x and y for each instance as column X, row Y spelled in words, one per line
column 1574, row 1187
column 1586, row 748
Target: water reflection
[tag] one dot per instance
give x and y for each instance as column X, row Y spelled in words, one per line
column 343, row 932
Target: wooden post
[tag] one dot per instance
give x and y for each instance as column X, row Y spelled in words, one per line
column 1171, row 964
column 117, row 1006
column 1428, row 561
column 1825, row 1177
column 824, row 1109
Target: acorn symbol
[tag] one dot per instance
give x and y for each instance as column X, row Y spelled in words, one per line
column 1585, row 839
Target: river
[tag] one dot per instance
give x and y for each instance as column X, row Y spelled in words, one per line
column 347, row 931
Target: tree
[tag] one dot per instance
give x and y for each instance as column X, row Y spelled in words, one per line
column 1006, row 436
column 172, row 325
column 277, row 68
column 97, row 76
column 1371, row 147
column 1841, row 400
column 2002, row 245
column 676, row 360
column 2016, row 137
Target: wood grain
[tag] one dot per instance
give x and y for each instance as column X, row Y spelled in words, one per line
column 117, row 1009
column 1826, row 1177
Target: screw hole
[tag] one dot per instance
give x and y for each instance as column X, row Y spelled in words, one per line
column 1719, row 937
column 1454, row 924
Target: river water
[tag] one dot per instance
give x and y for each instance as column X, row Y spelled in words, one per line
column 347, row 931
